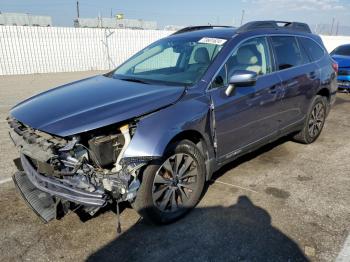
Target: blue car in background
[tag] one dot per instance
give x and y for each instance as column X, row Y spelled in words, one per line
column 342, row 56
column 155, row 129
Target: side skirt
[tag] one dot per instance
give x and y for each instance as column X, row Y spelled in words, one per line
column 216, row 165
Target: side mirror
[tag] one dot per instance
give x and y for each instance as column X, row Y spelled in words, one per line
column 241, row 78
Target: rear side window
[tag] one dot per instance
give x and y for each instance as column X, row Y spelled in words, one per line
column 313, row 49
column 287, row 52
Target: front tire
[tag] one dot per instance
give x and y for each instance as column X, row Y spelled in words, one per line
column 314, row 121
column 172, row 186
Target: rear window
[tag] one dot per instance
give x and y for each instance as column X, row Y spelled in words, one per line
column 313, row 49
column 342, row 50
column 287, row 52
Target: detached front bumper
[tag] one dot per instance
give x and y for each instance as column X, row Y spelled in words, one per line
column 31, row 184
column 40, row 202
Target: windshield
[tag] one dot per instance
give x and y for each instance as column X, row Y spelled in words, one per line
column 173, row 61
column 342, row 50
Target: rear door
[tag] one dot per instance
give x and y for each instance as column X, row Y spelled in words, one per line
column 299, row 76
column 251, row 113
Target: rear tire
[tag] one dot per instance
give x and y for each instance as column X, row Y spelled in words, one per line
column 172, row 186
column 314, row 121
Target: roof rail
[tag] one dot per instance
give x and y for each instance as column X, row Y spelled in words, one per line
column 277, row 25
column 199, row 27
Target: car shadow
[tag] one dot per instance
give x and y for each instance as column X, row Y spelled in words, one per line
column 241, row 232
column 250, row 156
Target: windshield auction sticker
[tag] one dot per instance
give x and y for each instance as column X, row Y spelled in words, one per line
column 213, row 41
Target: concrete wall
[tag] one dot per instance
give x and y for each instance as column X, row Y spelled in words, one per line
column 28, row 50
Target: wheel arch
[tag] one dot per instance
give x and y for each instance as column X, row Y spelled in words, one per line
column 324, row 92
column 185, row 120
column 199, row 140
column 194, row 136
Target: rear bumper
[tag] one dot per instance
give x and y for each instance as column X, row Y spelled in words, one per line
column 344, row 82
column 56, row 188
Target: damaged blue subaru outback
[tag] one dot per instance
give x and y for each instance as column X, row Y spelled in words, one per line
column 153, row 131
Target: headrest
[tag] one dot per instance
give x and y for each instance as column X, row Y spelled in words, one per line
column 201, row 55
column 246, row 55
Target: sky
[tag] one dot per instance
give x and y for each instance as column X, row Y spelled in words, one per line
column 189, row 12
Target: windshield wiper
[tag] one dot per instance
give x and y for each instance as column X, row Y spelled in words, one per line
column 135, row 80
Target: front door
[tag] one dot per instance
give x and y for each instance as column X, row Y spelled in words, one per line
column 251, row 113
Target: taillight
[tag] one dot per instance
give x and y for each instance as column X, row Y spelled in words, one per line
column 335, row 67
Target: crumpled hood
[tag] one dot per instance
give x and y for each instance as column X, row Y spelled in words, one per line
column 92, row 103
column 343, row 61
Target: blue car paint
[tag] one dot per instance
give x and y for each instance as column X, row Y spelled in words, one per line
column 343, row 61
column 92, row 103
column 242, row 122
column 343, row 64
column 191, row 113
column 344, row 78
column 229, row 126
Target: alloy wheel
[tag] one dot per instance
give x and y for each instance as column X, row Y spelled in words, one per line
column 175, row 182
column 316, row 120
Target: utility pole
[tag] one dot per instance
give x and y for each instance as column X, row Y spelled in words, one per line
column 336, row 33
column 111, row 12
column 242, row 16
column 78, row 15
column 332, row 26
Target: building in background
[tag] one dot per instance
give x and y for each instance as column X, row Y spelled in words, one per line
column 101, row 22
column 21, row 19
column 173, row 27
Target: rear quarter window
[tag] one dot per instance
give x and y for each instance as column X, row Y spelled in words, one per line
column 287, row 52
column 314, row 51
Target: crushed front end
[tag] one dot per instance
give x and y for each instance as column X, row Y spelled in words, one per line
column 85, row 172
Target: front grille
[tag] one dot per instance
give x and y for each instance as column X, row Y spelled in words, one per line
column 344, row 84
column 33, row 136
column 36, row 144
column 344, row 72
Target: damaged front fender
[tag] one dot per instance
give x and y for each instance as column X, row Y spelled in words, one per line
column 155, row 131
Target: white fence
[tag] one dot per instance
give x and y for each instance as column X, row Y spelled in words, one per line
column 331, row 42
column 28, row 50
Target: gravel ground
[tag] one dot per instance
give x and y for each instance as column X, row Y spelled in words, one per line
column 286, row 202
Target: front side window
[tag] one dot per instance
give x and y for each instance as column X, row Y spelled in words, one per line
column 252, row 55
column 313, row 49
column 287, row 52
column 172, row 61
column 342, row 50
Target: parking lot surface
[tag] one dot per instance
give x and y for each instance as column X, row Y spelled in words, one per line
column 285, row 202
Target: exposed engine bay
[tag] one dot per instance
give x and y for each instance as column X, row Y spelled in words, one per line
column 88, row 170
